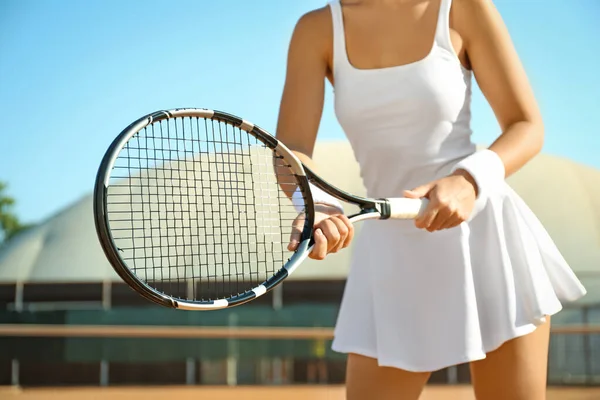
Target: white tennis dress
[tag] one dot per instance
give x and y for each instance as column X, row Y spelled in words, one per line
column 423, row 301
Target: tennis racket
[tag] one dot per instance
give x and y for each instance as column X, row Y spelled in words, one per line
column 192, row 208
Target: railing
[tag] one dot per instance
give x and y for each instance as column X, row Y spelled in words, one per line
column 205, row 332
column 245, row 355
column 165, row 332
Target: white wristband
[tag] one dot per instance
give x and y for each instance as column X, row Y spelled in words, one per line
column 319, row 197
column 486, row 168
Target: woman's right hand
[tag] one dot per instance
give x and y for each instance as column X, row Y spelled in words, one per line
column 308, row 66
column 333, row 231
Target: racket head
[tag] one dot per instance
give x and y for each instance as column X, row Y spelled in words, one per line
column 191, row 215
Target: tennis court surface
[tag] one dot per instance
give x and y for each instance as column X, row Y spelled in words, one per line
column 254, row 393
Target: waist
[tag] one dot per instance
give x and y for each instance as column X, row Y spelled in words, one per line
column 390, row 176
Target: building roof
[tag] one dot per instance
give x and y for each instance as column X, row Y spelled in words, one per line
column 563, row 194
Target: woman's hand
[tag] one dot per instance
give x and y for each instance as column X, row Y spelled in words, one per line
column 451, row 201
column 333, row 232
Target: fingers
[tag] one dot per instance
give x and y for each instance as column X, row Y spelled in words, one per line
column 442, row 215
column 433, row 215
column 332, row 235
column 294, row 239
column 319, row 250
column 424, row 220
column 297, row 227
column 350, row 229
column 345, row 229
column 452, row 222
column 442, row 212
column 327, row 237
column 420, row 191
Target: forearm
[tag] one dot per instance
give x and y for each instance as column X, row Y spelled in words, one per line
column 306, row 160
column 503, row 82
column 518, row 145
column 286, row 181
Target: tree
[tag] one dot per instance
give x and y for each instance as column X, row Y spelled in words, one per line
column 9, row 223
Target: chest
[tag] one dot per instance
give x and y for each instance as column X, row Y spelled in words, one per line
column 384, row 37
column 436, row 87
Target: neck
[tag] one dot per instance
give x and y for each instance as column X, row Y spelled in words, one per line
column 388, row 2
column 382, row 3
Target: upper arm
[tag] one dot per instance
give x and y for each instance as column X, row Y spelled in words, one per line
column 304, row 89
column 495, row 62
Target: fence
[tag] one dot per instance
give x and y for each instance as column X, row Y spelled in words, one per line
column 116, row 354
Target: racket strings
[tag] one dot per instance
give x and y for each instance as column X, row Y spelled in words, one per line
column 197, row 209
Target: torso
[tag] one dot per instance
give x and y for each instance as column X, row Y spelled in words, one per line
column 402, row 93
column 405, row 107
column 384, row 36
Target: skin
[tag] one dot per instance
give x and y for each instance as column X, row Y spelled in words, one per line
column 379, row 34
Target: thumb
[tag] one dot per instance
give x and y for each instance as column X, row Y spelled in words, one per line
column 294, row 239
column 296, row 233
column 419, row 191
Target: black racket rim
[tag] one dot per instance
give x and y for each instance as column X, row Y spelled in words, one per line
column 109, row 247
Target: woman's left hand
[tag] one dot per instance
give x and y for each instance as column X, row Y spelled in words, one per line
column 451, row 201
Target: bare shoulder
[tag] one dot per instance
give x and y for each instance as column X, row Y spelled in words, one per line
column 312, row 39
column 473, row 18
column 318, row 17
column 472, row 8
column 315, row 26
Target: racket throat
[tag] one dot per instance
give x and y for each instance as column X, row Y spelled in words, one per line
column 384, row 207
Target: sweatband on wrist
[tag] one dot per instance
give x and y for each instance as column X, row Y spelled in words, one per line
column 319, row 197
column 486, row 168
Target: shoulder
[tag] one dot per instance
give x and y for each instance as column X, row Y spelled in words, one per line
column 313, row 32
column 314, row 24
column 472, row 17
column 473, row 7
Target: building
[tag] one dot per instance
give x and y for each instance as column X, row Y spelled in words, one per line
column 56, row 273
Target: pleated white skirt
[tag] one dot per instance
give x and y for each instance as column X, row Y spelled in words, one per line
column 423, row 301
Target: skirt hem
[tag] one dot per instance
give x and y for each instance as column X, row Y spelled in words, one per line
column 475, row 356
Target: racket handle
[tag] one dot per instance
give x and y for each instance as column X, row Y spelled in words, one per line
column 405, row 208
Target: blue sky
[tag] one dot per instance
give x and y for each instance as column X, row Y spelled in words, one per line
column 74, row 73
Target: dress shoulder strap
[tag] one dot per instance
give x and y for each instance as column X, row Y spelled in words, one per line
column 442, row 33
column 339, row 39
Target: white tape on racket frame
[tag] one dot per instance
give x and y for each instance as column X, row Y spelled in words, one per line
column 405, row 208
column 259, row 290
column 217, row 305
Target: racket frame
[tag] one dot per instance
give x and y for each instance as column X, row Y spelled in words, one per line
column 369, row 208
column 110, row 248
